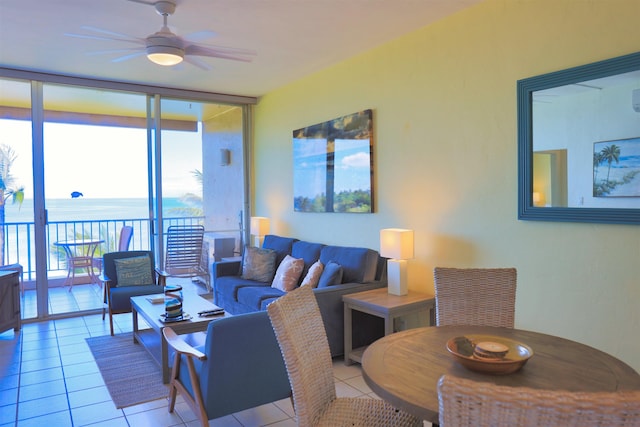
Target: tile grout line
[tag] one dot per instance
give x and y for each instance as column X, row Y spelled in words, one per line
column 64, row 376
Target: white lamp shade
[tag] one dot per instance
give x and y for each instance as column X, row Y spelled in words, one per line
column 396, row 243
column 260, row 225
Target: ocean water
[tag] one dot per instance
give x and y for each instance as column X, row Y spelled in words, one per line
column 18, row 239
column 89, row 209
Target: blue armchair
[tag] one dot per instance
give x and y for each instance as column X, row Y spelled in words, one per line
column 239, row 367
column 140, row 270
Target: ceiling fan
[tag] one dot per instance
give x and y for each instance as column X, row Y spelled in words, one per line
column 164, row 47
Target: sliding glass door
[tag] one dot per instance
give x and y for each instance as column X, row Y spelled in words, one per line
column 200, row 164
column 16, row 184
column 95, row 182
column 94, row 158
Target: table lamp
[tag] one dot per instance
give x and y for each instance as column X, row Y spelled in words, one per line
column 259, row 228
column 397, row 245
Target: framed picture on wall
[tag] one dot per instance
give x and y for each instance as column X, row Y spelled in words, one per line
column 333, row 165
column 616, row 168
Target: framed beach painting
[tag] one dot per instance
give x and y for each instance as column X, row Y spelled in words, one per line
column 616, row 168
column 333, row 165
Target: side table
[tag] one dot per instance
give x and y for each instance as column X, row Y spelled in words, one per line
column 378, row 302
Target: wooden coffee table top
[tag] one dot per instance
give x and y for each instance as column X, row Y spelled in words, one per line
column 191, row 304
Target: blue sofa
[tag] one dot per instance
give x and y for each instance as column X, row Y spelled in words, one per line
column 363, row 269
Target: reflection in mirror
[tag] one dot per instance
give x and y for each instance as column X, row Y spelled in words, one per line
column 579, row 143
column 586, row 144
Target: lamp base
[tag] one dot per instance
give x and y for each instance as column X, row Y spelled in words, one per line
column 397, row 276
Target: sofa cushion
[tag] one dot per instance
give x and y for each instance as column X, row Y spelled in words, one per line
column 288, row 274
column 358, row 264
column 282, row 245
column 258, row 264
column 331, row 275
column 313, row 275
column 229, row 286
column 309, row 252
column 252, row 296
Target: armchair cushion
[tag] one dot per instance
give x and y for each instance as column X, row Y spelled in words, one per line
column 121, row 296
column 135, row 271
column 258, row 264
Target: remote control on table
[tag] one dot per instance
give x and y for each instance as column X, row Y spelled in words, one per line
column 208, row 313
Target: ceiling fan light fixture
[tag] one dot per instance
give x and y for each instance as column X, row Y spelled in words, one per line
column 165, row 55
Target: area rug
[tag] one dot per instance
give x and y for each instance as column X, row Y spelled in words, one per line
column 128, row 370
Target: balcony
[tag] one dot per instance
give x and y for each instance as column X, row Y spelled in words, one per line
column 85, row 296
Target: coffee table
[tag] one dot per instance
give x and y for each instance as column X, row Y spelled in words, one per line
column 153, row 338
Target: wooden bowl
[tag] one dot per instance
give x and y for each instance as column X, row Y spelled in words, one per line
column 516, row 356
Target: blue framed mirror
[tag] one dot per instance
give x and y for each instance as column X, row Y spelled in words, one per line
column 579, row 143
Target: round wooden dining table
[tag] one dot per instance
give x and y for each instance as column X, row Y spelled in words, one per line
column 404, row 368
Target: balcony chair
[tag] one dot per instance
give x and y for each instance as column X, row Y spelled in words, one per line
column 127, row 274
column 239, row 367
column 464, row 402
column 126, row 233
column 298, row 326
column 187, row 254
column 475, row 296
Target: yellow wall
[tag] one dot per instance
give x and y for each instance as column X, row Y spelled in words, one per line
column 444, row 101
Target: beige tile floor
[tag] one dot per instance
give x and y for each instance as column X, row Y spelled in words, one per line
column 49, row 378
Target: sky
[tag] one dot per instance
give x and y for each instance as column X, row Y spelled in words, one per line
column 101, row 161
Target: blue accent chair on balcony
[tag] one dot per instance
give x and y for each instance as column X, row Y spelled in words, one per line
column 125, row 275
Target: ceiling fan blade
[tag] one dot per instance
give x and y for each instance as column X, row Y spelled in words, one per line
column 197, row 62
column 116, row 36
column 150, row 3
column 199, row 35
column 107, row 51
column 223, row 53
column 129, row 56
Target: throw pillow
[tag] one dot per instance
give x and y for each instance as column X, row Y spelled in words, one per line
column 133, row 271
column 313, row 275
column 332, row 275
column 258, row 264
column 288, row 273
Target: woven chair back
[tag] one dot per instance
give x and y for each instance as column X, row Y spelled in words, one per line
column 475, row 296
column 465, row 402
column 303, row 341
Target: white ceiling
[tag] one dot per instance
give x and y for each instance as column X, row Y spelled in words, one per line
column 292, row 38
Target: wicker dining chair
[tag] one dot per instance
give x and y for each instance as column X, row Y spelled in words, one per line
column 475, row 296
column 464, row 402
column 298, row 326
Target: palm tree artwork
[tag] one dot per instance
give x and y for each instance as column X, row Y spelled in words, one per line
column 610, row 154
column 624, row 182
column 8, row 189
